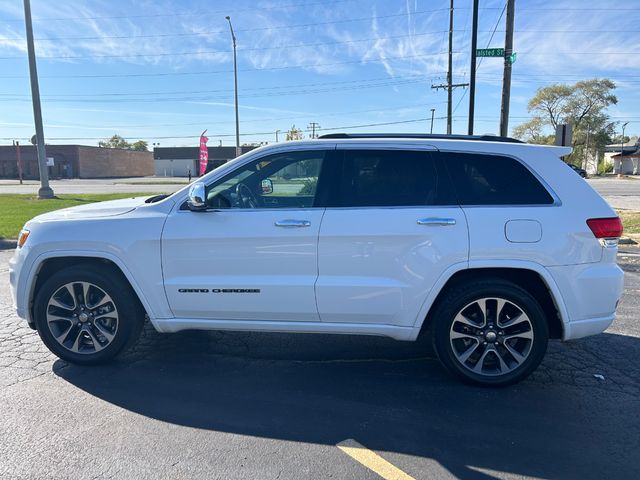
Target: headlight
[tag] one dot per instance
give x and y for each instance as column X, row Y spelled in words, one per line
column 24, row 234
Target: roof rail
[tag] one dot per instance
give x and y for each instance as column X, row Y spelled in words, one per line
column 426, row 136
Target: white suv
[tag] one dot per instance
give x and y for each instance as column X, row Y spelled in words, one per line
column 489, row 245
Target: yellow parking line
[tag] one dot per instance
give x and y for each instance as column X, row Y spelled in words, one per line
column 372, row 460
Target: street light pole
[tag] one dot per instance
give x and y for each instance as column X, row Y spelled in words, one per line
column 235, row 82
column 433, row 110
column 277, row 131
column 624, row 125
column 45, row 190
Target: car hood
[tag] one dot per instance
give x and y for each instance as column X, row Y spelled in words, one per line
column 109, row 208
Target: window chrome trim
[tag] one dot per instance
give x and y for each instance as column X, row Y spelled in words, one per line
column 557, row 202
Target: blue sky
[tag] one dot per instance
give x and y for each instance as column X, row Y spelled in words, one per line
column 162, row 70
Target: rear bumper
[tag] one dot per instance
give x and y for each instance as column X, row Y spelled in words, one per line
column 591, row 293
column 585, row 328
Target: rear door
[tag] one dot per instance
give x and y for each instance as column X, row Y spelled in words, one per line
column 390, row 231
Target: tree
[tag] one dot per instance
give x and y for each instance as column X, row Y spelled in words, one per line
column 583, row 105
column 114, row 142
column 140, row 146
column 118, row 142
column 294, row 134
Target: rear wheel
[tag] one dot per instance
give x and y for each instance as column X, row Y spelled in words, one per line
column 490, row 332
column 87, row 316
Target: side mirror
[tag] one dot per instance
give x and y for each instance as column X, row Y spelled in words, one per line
column 267, row 186
column 196, row 201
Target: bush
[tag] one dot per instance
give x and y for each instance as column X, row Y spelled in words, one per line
column 309, row 187
column 605, row 167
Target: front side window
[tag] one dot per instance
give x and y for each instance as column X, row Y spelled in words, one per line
column 481, row 179
column 285, row 180
column 392, row 178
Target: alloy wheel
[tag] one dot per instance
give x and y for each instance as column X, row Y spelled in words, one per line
column 491, row 336
column 82, row 317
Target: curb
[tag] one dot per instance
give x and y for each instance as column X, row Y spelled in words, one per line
column 630, row 239
column 7, row 244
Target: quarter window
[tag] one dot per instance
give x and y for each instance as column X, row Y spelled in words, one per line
column 389, row 178
column 494, row 180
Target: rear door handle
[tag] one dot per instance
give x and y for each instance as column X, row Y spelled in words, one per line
column 292, row 223
column 437, row 222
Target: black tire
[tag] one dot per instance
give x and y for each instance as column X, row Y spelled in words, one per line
column 462, row 296
column 130, row 313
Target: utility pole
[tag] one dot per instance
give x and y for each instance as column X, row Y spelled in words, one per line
column 433, row 111
column 449, row 71
column 277, row 131
column 506, row 79
column 18, row 159
column 235, row 83
column 450, row 86
column 472, row 71
column 586, row 150
column 313, row 126
column 44, row 191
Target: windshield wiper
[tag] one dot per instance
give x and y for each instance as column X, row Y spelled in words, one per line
column 156, row 198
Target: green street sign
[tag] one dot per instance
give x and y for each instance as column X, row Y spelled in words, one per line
column 512, row 58
column 490, row 52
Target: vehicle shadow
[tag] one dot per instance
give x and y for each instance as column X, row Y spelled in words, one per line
column 390, row 396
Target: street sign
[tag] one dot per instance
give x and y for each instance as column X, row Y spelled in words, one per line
column 490, row 52
column 512, row 58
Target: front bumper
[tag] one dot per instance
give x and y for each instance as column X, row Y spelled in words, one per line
column 17, row 282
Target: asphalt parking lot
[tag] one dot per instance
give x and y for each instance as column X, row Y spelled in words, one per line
column 259, row 406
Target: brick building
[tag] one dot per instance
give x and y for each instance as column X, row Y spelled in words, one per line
column 76, row 161
column 178, row 161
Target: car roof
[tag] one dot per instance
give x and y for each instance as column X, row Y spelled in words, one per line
column 429, row 136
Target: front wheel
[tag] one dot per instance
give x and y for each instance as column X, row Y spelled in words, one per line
column 490, row 332
column 86, row 315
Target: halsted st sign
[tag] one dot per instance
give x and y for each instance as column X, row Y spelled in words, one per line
column 490, row 52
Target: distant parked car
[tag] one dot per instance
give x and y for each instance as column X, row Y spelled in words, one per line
column 580, row 171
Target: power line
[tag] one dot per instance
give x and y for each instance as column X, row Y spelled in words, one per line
column 347, row 127
column 111, row 99
column 208, row 52
column 288, row 118
column 213, row 32
column 189, row 14
column 284, row 67
column 287, row 27
column 363, row 82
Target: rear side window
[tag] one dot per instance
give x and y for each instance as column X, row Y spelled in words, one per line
column 494, row 180
column 388, row 178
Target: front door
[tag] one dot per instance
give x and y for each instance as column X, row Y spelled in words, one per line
column 253, row 254
column 392, row 230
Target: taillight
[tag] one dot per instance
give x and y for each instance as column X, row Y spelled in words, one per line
column 606, row 227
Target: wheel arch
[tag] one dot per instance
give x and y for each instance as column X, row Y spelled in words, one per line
column 532, row 277
column 49, row 263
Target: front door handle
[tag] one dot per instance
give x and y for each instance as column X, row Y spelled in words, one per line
column 293, row 223
column 437, row 222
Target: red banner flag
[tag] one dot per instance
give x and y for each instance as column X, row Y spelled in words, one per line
column 204, row 153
